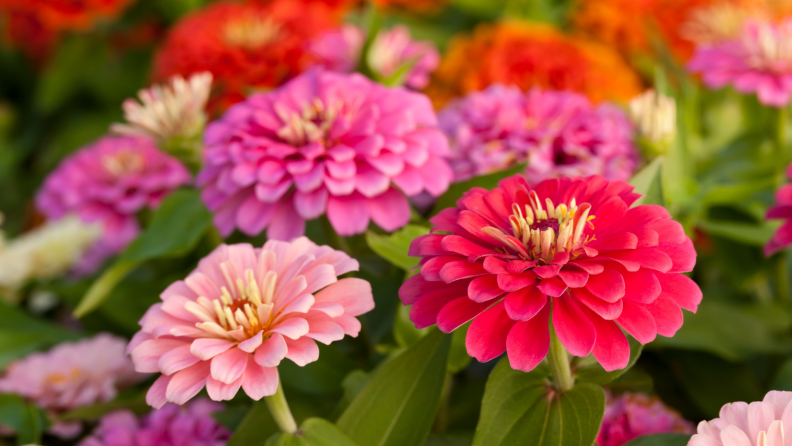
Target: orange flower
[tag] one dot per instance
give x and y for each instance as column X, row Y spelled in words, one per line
column 245, row 45
column 526, row 55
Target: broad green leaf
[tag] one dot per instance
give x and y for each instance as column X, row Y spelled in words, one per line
column 518, row 406
column 590, row 371
column 406, row 334
column 647, row 183
column 135, row 403
column 313, row 432
column 397, row 406
column 394, row 247
column 175, row 229
column 28, row 421
column 750, row 234
column 21, row 334
column 488, row 182
column 255, row 428
column 661, row 440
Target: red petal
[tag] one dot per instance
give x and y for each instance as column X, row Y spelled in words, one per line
column 518, row 266
column 589, row 266
column 499, row 202
column 458, row 312
column 514, row 282
column 476, row 203
column 560, row 258
column 424, row 311
column 495, row 265
column 683, row 256
column 482, row 289
column 573, row 277
column 427, row 245
column 462, row 269
column 609, row 213
column 647, row 238
column 608, row 286
column 431, row 269
column 624, row 240
column 525, row 304
column 668, row 231
column 416, row 286
column 682, row 289
column 606, row 310
column 554, row 287
column 641, row 286
column 473, row 223
column 637, row 321
column 528, row 342
column 611, row 349
column 486, row 337
column 667, row 315
column 463, row 246
column 573, row 328
column 547, row 271
column 653, row 258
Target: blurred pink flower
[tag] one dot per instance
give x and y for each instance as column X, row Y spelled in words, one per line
column 758, row 61
column 633, row 415
column 761, row 423
column 339, row 50
column 107, row 182
column 557, row 133
column 71, row 375
column 782, row 210
column 232, row 320
column 171, row 425
column 324, row 142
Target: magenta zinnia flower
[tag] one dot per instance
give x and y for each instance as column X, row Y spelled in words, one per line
column 759, row 61
column 558, row 133
column 71, row 375
column 633, row 415
column 509, row 257
column 782, row 210
column 324, row 142
column 191, row 425
column 232, row 320
column 761, row 423
column 108, row 182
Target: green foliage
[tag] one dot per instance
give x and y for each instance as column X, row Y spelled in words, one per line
column 661, row 440
column 489, row 181
column 28, row 421
column 394, row 247
column 590, row 371
column 21, row 334
column 313, row 432
column 519, row 405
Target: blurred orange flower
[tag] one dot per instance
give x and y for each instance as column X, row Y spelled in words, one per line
column 528, row 54
column 245, row 45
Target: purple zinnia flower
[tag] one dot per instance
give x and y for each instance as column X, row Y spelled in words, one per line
column 323, row 143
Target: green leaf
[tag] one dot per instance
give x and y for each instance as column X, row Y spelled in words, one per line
column 394, row 247
column 255, row 428
column 488, row 182
column 313, row 432
column 397, row 406
column 750, row 234
column 175, row 229
column 21, row 334
column 783, row 378
column 660, row 440
column 27, row 420
column 733, row 193
column 647, row 183
column 590, row 371
column 518, row 406
column 406, row 334
column 136, row 403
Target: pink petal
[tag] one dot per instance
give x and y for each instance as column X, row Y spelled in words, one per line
column 641, row 286
column 186, row 383
column 390, row 210
column 220, row 391
column 683, row 256
column 271, row 352
column 462, row 269
column 482, row 289
column 608, row 285
column 457, row 312
column 354, row 294
column 528, row 342
column 155, row 397
column 573, row 328
column 682, row 289
column 310, row 205
column 605, row 310
column 208, row 348
column 486, row 337
column 524, row 304
column 573, row 277
column 302, row 351
column 250, row 345
column 292, row 328
column 228, row 366
column 259, row 381
column 611, row 348
column 349, row 214
column 515, row 282
column 146, row 355
column 286, row 223
column 554, row 287
column 176, row 359
column 666, row 314
column 637, row 321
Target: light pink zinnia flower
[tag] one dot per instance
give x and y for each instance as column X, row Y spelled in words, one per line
column 108, row 182
column 557, row 133
column 339, row 50
column 71, row 375
column 782, row 210
column 759, row 61
column 233, row 319
column 761, row 423
column 191, row 425
column 324, row 142
column 506, row 257
column 633, row 415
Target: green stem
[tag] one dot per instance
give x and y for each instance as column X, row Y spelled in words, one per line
column 279, row 409
column 559, row 364
column 780, row 143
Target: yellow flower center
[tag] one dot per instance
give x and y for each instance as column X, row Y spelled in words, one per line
column 251, row 32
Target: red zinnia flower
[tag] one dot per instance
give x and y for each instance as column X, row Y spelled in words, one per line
column 511, row 256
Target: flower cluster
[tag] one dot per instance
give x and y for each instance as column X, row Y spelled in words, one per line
column 525, row 54
column 191, row 425
column 556, row 133
column 761, row 423
column 241, row 312
column 245, row 45
column 324, row 142
column 782, row 210
column 107, row 182
column 633, row 415
column 506, row 257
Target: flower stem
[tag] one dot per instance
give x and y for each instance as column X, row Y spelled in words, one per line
column 559, row 364
column 279, row 409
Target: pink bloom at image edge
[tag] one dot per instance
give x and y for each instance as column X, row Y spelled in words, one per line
column 232, row 320
column 339, row 50
column 633, row 415
column 191, row 425
column 761, row 423
column 782, row 210
column 759, row 61
column 558, row 133
column 108, row 182
column 71, row 375
column 325, row 142
column 504, row 257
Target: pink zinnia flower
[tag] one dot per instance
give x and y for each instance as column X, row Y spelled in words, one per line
column 782, row 210
column 71, row 375
column 108, row 182
column 759, row 61
column 232, row 320
column 324, row 142
column 339, row 50
column 191, row 425
column 633, row 415
column 506, row 257
column 558, row 133
column 761, row 423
